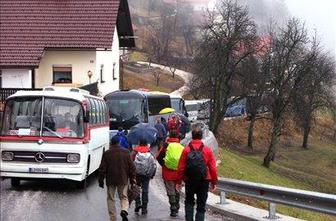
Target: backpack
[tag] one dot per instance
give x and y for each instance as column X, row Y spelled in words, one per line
column 173, row 155
column 196, row 169
column 145, row 164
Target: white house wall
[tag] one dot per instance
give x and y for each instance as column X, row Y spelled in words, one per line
column 80, row 61
column 107, row 59
column 16, row 78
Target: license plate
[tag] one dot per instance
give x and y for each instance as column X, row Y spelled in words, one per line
column 38, row 170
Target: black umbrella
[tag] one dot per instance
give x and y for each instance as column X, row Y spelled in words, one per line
column 142, row 131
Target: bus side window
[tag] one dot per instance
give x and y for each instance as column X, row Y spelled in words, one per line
column 98, row 106
column 102, row 119
column 95, row 112
column 92, row 121
column 107, row 114
column 103, row 112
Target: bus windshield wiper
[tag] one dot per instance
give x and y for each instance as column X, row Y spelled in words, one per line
column 53, row 132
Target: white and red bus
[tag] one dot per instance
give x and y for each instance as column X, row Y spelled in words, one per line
column 56, row 133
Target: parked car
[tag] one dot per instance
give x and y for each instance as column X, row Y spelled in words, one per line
column 235, row 111
column 192, row 108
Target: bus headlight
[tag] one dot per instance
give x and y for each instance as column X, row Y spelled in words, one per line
column 7, row 156
column 73, row 158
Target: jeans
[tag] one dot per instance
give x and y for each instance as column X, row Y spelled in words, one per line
column 143, row 181
column 200, row 188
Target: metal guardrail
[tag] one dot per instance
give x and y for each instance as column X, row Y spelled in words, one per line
column 320, row 202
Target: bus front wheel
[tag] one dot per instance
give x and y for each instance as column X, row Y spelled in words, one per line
column 15, row 182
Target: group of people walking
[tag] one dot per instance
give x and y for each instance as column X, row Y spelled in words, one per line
column 194, row 164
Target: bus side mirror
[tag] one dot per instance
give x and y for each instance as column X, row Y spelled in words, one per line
column 87, row 116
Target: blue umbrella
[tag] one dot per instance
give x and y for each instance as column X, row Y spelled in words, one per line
column 142, row 131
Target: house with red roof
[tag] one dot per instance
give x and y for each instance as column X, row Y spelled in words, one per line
column 63, row 42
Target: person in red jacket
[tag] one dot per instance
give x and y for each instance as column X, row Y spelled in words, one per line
column 170, row 176
column 174, row 123
column 193, row 183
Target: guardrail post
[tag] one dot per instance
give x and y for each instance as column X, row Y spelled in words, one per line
column 222, row 198
column 272, row 211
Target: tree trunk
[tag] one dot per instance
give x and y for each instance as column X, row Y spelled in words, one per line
column 305, row 137
column 157, row 82
column 250, row 133
column 214, row 126
column 274, row 143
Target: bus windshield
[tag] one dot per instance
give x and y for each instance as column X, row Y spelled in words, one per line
column 156, row 103
column 61, row 117
column 125, row 111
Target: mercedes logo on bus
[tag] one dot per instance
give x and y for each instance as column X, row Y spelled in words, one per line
column 39, row 157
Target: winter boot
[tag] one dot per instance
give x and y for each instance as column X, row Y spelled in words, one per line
column 124, row 215
column 189, row 212
column 144, row 208
column 200, row 216
column 137, row 205
column 173, row 206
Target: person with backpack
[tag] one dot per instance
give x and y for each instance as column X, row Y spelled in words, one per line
column 169, row 157
column 145, row 166
column 197, row 167
column 118, row 170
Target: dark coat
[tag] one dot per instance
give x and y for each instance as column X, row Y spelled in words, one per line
column 162, row 133
column 117, row 167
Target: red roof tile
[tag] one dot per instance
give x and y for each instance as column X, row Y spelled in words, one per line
column 27, row 27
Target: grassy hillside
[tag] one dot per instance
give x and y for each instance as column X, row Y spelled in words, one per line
column 313, row 169
column 237, row 166
column 167, row 83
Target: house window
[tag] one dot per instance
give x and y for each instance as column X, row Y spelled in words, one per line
column 113, row 71
column 62, row 74
column 102, row 74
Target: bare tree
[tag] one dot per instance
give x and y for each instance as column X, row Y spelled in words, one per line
column 160, row 35
column 172, row 69
column 157, row 73
column 287, row 55
column 187, row 26
column 314, row 91
column 173, row 61
column 256, row 75
column 228, row 38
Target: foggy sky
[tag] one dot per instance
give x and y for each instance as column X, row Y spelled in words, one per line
column 319, row 15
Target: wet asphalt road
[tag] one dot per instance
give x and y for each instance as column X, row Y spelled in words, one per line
column 54, row 200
